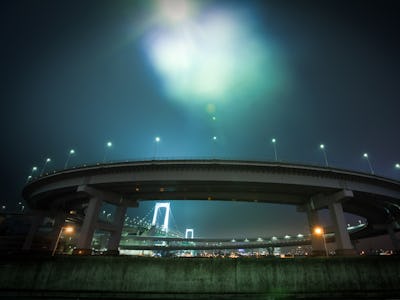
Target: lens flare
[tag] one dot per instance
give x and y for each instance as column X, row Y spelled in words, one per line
column 175, row 11
column 215, row 55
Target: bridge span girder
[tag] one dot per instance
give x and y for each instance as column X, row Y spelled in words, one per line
column 124, row 183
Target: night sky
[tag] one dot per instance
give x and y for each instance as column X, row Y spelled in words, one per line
column 77, row 74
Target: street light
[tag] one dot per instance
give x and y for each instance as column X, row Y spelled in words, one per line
column 71, row 152
column 66, row 229
column 44, row 166
column 322, row 147
column 274, row 145
column 108, row 146
column 397, row 166
column 320, row 231
column 365, row 155
column 34, row 169
column 214, row 139
column 157, row 140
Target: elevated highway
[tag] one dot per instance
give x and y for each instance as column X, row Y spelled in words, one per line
column 175, row 243
column 309, row 188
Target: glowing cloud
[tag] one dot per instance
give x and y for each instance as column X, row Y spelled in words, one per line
column 214, row 57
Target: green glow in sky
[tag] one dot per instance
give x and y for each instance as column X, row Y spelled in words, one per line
column 215, row 56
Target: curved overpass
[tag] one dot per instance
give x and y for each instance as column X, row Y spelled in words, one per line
column 373, row 197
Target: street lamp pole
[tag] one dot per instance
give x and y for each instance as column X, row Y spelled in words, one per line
column 157, row 140
column 369, row 163
column 322, row 147
column 71, row 152
column 274, row 145
column 214, row 138
column 320, row 231
column 34, row 169
column 44, row 166
column 108, row 146
column 68, row 229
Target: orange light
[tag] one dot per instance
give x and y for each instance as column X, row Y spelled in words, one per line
column 68, row 229
column 318, row 230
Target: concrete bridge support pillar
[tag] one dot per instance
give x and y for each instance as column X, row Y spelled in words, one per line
column 115, row 236
column 334, row 203
column 88, row 227
column 36, row 221
column 317, row 242
column 395, row 240
column 342, row 238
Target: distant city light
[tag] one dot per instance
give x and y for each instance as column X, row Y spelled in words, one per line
column 397, row 166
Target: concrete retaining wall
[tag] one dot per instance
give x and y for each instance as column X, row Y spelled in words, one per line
column 194, row 278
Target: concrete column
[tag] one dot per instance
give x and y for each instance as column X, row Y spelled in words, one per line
column 115, row 236
column 342, row 238
column 317, row 242
column 395, row 240
column 36, row 221
column 88, row 226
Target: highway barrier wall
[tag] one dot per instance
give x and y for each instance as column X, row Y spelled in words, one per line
column 185, row 278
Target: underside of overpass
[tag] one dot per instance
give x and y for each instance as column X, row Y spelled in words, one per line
column 309, row 188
